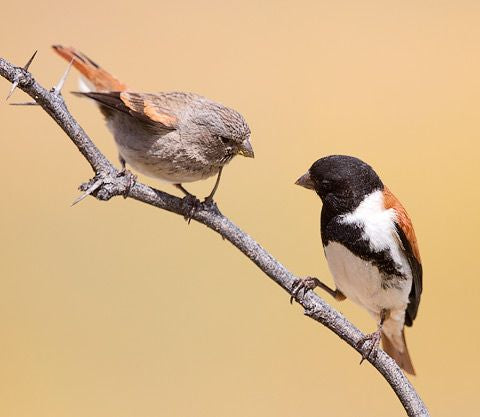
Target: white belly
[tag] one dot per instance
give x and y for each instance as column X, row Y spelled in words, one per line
column 361, row 281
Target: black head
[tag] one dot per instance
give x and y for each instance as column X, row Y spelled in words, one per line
column 341, row 181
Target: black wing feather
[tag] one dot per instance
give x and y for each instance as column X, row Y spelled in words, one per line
column 417, row 284
column 111, row 100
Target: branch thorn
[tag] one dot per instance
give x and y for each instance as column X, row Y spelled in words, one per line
column 26, row 103
column 27, row 65
column 89, row 191
column 58, row 88
column 17, row 78
column 12, row 89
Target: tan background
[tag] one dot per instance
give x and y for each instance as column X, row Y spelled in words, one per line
column 119, row 309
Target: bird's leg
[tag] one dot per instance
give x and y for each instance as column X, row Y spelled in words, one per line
column 309, row 283
column 126, row 173
column 183, row 190
column 191, row 204
column 209, row 199
column 372, row 350
column 123, row 163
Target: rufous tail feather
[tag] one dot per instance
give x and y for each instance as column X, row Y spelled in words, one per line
column 402, row 358
column 97, row 76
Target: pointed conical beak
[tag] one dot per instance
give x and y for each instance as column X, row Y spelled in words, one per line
column 306, row 181
column 246, row 149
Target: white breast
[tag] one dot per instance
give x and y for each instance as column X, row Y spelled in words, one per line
column 360, row 280
column 378, row 225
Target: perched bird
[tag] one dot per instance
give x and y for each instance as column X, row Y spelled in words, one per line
column 175, row 136
column 371, row 249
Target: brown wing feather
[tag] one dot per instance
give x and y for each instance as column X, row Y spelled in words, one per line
column 133, row 105
column 410, row 247
column 148, row 105
column 403, row 220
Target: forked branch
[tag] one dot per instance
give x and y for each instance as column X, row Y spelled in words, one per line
column 108, row 182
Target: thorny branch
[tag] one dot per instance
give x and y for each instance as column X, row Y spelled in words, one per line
column 108, row 182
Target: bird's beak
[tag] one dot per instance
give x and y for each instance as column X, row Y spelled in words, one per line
column 246, row 149
column 306, row 181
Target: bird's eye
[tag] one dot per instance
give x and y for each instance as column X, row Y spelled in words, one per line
column 223, row 139
column 325, row 183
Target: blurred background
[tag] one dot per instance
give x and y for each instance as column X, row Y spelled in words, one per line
column 120, row 309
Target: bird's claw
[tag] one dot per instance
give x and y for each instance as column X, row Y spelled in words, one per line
column 372, row 350
column 191, row 205
column 305, row 284
column 209, row 205
column 131, row 180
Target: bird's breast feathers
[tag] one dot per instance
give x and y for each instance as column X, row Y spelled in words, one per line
column 378, row 226
column 368, row 263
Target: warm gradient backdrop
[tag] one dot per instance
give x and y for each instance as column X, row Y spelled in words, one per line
column 122, row 310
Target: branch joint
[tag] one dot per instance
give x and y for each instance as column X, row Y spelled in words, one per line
column 106, row 185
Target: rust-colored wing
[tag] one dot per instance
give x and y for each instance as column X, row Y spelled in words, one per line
column 151, row 106
column 138, row 105
column 409, row 244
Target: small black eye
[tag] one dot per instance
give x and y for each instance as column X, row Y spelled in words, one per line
column 223, row 139
column 325, row 183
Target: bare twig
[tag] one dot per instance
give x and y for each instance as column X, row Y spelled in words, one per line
column 108, row 183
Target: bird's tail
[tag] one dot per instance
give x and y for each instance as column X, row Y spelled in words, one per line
column 96, row 76
column 398, row 352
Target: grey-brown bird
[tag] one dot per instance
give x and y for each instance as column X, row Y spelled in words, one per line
column 172, row 136
column 371, row 249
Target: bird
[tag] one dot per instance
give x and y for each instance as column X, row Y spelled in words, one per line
column 177, row 137
column 371, row 250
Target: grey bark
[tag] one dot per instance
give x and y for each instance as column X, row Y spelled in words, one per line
column 108, row 183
